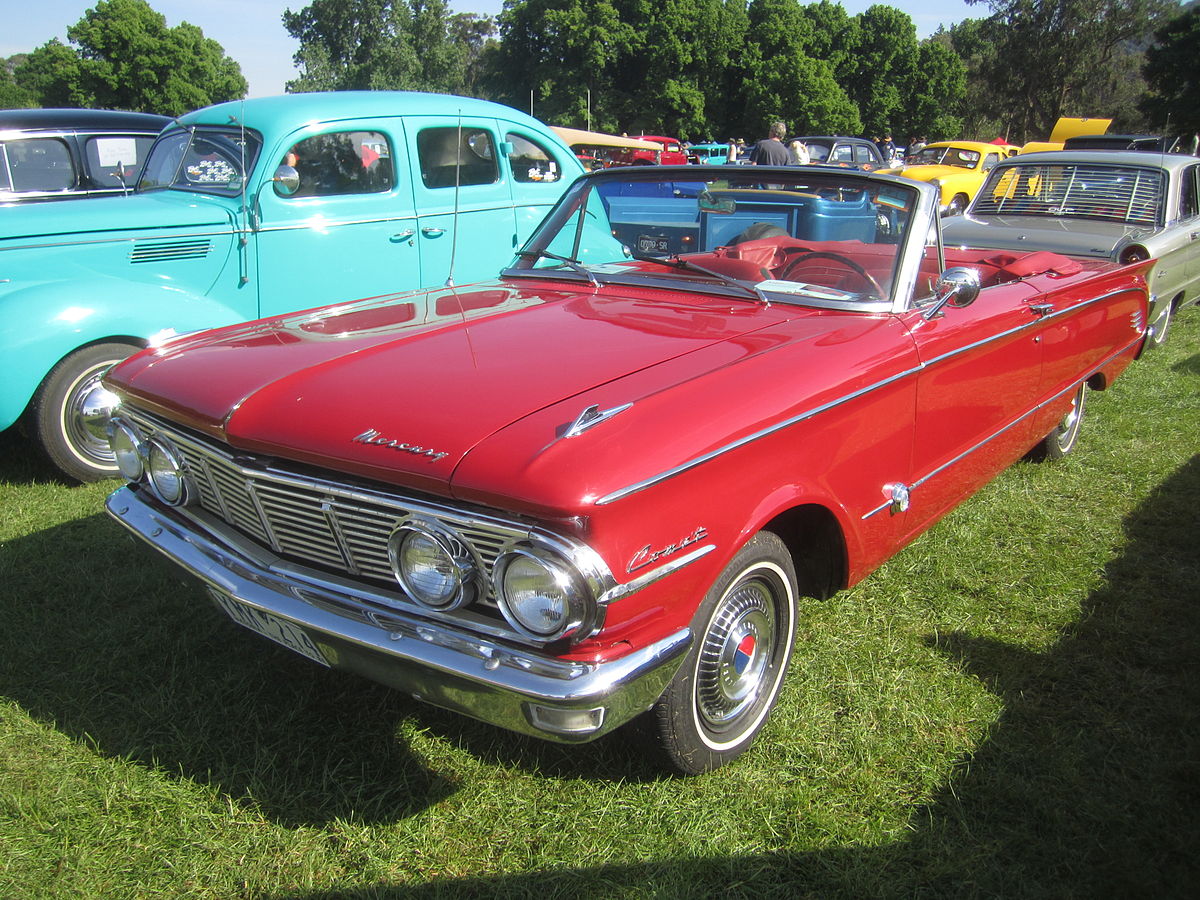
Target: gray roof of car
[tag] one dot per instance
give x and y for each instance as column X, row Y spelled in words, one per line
column 1169, row 161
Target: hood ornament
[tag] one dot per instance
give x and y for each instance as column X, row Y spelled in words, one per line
column 591, row 417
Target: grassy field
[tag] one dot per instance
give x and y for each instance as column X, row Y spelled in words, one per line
column 1010, row 707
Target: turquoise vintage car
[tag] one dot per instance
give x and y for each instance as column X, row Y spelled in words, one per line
column 347, row 195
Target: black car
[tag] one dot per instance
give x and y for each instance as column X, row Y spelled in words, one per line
column 59, row 154
column 847, row 152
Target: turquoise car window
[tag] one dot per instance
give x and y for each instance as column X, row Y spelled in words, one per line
column 530, row 161
column 344, row 162
column 456, row 156
column 38, row 164
column 114, row 161
column 207, row 160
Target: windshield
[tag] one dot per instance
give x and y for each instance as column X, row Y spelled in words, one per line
column 806, row 235
column 947, row 156
column 209, row 160
column 1124, row 194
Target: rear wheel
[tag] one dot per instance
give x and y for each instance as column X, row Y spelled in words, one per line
column 70, row 410
column 957, row 206
column 725, row 689
column 1061, row 441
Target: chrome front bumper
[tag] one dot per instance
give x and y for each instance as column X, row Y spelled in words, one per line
column 513, row 688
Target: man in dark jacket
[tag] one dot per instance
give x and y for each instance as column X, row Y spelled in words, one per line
column 770, row 151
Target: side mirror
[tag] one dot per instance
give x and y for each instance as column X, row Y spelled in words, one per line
column 286, row 181
column 958, row 287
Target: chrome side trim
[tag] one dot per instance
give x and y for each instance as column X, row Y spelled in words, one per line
column 751, row 438
column 946, row 465
column 148, row 235
column 808, row 414
column 619, row 591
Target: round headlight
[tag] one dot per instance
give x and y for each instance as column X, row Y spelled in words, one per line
column 433, row 567
column 125, row 442
column 538, row 594
column 165, row 469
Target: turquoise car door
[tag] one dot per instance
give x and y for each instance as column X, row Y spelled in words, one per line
column 538, row 172
column 465, row 221
column 339, row 223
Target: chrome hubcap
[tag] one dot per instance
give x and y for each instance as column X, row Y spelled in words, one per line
column 1068, row 428
column 89, row 406
column 736, row 655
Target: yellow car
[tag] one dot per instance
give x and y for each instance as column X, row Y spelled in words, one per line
column 958, row 168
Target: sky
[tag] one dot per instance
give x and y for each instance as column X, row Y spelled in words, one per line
column 252, row 32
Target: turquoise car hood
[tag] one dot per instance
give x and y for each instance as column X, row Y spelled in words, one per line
column 135, row 212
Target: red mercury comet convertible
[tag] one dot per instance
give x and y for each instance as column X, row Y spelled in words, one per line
column 593, row 489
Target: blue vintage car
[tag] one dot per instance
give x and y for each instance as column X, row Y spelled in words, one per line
column 345, row 195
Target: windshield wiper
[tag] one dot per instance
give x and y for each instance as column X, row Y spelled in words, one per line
column 573, row 264
column 676, row 262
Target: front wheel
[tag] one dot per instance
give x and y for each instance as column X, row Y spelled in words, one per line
column 70, row 410
column 727, row 686
column 1062, row 440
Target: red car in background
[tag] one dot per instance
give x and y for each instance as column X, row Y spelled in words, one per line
column 672, row 153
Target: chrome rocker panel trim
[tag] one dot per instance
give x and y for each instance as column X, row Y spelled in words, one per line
column 500, row 685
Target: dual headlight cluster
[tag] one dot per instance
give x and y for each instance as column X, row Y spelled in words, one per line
column 154, row 460
column 539, row 593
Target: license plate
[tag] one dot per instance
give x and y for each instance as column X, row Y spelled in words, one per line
column 651, row 244
column 270, row 626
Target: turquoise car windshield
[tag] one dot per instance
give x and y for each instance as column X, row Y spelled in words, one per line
column 209, row 160
column 799, row 232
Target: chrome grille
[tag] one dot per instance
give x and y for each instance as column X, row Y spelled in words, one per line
column 315, row 522
column 160, row 251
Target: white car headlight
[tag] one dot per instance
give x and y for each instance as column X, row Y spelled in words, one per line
column 539, row 593
column 164, row 467
column 126, row 445
column 432, row 565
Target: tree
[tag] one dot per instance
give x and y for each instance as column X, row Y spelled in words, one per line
column 12, row 95
column 127, row 58
column 386, row 44
column 1173, row 102
column 1066, row 50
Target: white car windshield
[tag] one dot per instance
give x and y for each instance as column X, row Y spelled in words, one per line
column 801, row 234
column 209, row 160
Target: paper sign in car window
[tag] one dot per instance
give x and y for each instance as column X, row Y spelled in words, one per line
column 112, row 152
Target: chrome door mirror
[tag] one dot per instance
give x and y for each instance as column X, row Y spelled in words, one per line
column 286, row 181
column 957, row 287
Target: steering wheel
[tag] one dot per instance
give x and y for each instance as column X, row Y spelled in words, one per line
column 846, row 261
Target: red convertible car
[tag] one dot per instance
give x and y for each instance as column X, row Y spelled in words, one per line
column 593, row 489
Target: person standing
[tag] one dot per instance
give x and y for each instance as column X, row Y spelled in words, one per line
column 799, row 151
column 770, row 151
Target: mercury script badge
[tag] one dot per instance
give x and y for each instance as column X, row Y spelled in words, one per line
column 371, row 436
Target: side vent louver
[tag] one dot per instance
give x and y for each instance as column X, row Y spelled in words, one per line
column 160, row 251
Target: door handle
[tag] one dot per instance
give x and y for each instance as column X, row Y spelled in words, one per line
column 402, row 236
column 433, row 232
column 1041, row 309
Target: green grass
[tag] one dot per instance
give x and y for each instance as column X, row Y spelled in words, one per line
column 1008, row 708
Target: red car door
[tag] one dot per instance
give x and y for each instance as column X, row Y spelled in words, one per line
column 980, row 377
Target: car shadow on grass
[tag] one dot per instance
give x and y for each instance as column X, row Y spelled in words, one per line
column 121, row 651
column 1087, row 786
column 22, row 463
